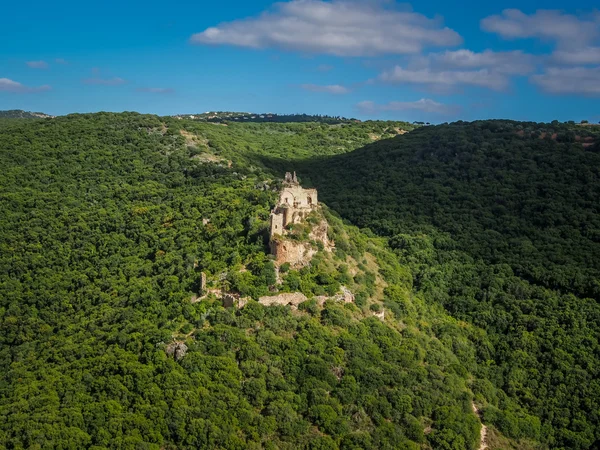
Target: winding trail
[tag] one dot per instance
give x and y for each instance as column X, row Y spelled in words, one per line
column 483, row 433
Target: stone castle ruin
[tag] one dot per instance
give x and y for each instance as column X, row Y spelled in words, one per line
column 295, row 203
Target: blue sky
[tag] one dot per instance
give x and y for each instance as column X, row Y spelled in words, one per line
column 434, row 61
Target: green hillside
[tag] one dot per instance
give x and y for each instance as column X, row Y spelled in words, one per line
column 108, row 221
column 527, row 201
column 499, row 222
column 260, row 144
column 478, row 242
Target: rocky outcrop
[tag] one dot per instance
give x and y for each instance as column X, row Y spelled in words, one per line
column 380, row 315
column 319, row 234
column 346, row 295
column 177, row 350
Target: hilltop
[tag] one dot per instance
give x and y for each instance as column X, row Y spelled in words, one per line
column 265, row 144
column 20, row 114
column 223, row 116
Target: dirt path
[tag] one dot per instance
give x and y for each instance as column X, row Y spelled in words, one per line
column 483, row 434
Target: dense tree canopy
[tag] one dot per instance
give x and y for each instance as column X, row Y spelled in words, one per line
column 107, row 221
column 479, row 241
column 499, row 222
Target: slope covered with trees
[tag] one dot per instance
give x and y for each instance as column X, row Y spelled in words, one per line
column 107, row 221
column 481, row 248
column 505, row 194
column 259, row 144
column 499, row 222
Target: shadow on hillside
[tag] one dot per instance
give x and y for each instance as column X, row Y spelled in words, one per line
column 308, row 168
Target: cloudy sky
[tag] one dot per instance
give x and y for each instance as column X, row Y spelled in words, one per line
column 436, row 61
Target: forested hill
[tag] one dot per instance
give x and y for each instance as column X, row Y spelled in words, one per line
column 523, row 194
column 500, row 223
column 20, row 114
column 107, row 222
column 230, row 116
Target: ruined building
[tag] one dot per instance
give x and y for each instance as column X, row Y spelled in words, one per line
column 295, row 203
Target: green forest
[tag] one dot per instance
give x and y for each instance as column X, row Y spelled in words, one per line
column 480, row 242
column 499, row 222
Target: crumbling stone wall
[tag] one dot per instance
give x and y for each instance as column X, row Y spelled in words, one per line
column 228, row 300
column 295, row 298
column 298, row 254
column 298, row 197
column 290, row 298
column 295, row 204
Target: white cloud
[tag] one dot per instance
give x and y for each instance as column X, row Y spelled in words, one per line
column 329, row 89
column 114, row 81
column 583, row 56
column 7, row 85
column 425, row 105
column 576, row 39
column 60, row 61
column 37, row 64
column 444, row 70
column 566, row 29
column 155, row 90
column 447, row 78
column 339, row 27
column 511, row 63
column 575, row 80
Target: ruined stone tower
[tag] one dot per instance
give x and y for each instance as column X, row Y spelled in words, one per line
column 295, row 203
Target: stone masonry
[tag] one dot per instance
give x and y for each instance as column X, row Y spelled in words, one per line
column 295, row 203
